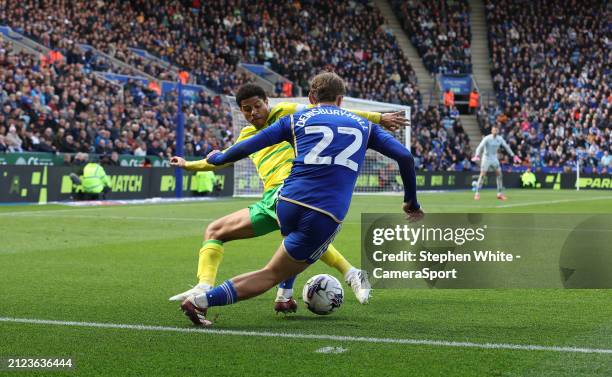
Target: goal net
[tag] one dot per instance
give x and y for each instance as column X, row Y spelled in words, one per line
column 379, row 174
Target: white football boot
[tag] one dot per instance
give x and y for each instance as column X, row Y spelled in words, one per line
column 197, row 290
column 359, row 283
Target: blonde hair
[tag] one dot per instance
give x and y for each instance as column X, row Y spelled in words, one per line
column 327, row 86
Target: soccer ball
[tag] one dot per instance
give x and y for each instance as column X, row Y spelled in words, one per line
column 323, row 294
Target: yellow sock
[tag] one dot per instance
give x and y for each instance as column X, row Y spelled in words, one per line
column 211, row 255
column 333, row 258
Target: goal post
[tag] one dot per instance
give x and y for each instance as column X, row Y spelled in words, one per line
column 577, row 173
column 379, row 174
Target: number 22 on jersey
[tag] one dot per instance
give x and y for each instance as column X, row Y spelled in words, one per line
column 343, row 158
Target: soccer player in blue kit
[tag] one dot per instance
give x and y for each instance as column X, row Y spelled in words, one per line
column 330, row 145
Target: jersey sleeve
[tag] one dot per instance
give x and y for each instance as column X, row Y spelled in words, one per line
column 105, row 180
column 274, row 134
column 372, row 116
column 481, row 146
column 507, row 147
column 286, row 108
column 387, row 145
column 201, row 165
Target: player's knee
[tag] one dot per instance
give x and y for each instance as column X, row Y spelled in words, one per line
column 410, row 160
column 407, row 159
column 215, row 231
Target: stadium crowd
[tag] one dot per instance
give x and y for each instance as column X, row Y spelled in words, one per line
column 217, row 37
column 551, row 72
column 440, row 31
column 440, row 142
column 62, row 26
column 567, row 45
column 167, row 30
column 59, row 107
column 297, row 39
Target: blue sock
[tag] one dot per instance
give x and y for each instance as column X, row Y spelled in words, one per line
column 224, row 294
column 287, row 284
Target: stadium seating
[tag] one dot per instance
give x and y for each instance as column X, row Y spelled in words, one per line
column 551, row 72
column 441, row 142
column 59, row 107
column 209, row 42
column 440, row 30
column 163, row 29
column 373, row 65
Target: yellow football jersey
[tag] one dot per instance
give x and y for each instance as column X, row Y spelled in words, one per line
column 274, row 163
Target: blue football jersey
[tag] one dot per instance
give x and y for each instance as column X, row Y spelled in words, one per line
column 330, row 145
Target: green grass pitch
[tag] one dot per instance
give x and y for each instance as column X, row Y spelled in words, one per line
column 119, row 265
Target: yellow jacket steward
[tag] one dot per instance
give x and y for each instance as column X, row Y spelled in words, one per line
column 94, row 178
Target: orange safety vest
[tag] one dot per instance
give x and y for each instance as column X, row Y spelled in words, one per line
column 55, row 56
column 184, row 77
column 154, row 86
column 44, row 60
column 473, row 99
column 449, row 98
column 287, row 89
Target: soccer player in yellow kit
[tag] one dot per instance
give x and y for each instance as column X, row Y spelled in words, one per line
column 273, row 165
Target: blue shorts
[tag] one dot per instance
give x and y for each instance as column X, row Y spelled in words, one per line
column 307, row 232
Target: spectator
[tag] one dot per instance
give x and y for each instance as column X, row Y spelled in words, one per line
column 13, row 141
column 606, row 160
column 141, row 150
column 3, row 147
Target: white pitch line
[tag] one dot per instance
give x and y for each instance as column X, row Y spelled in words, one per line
column 526, row 204
column 262, row 334
column 330, row 349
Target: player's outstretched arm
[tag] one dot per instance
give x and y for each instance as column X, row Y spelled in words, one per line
column 515, row 158
column 479, row 149
column 393, row 121
column 390, row 121
column 199, row 165
column 387, row 145
column 277, row 132
column 386, row 120
column 507, row 147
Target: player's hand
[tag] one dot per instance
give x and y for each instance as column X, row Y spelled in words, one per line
column 516, row 159
column 412, row 215
column 177, row 161
column 475, row 158
column 393, row 121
